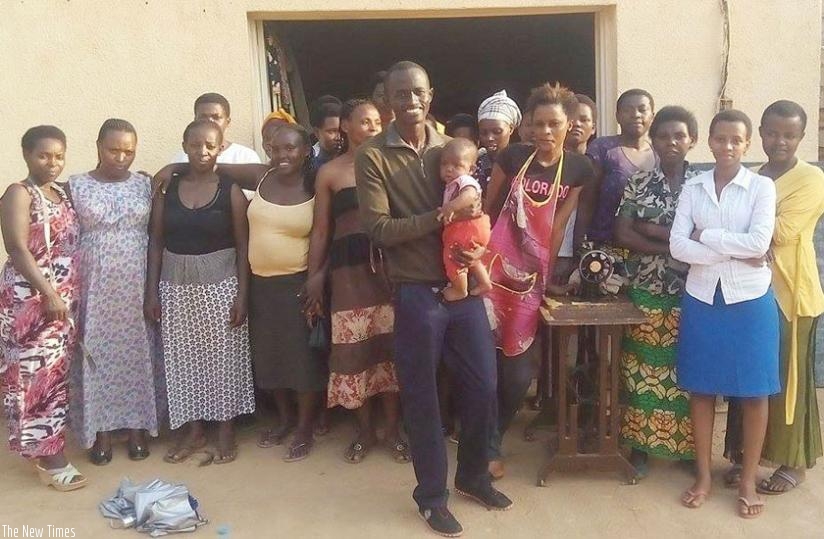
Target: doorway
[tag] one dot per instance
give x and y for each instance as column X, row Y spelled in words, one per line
column 468, row 58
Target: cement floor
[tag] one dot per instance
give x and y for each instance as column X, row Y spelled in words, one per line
column 260, row 496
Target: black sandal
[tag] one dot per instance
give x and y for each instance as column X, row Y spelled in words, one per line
column 138, row 452
column 98, row 456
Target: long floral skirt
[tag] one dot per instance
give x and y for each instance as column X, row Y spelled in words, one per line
column 657, row 416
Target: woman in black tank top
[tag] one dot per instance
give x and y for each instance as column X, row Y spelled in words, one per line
column 196, row 288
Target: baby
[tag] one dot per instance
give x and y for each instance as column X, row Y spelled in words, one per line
column 461, row 192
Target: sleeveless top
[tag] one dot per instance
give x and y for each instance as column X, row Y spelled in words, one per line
column 350, row 245
column 278, row 236
column 201, row 230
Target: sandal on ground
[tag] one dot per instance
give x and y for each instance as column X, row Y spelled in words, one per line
column 779, row 483
column 181, row 453
column 400, row 451
column 98, row 456
column 744, row 506
column 62, row 479
column 271, row 437
column 356, row 452
column 732, row 477
column 692, row 499
column 225, row 458
column 297, row 452
column 138, row 452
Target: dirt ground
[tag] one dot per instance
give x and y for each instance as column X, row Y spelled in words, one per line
column 323, row 496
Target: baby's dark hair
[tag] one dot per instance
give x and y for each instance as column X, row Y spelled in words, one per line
column 675, row 114
column 216, row 99
column 733, row 116
column 115, row 124
column 200, row 124
column 552, row 94
column 786, row 109
column 35, row 134
column 460, row 147
column 633, row 92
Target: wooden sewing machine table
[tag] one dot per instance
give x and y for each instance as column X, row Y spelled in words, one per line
column 601, row 323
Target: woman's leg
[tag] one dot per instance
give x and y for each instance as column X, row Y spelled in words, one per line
column 104, row 442
column 286, row 409
column 391, row 401
column 514, row 379
column 365, row 438
column 302, row 442
column 755, row 411
column 322, row 420
column 226, row 445
column 702, row 409
column 53, row 462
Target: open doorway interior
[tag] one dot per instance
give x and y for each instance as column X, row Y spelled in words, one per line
column 468, row 59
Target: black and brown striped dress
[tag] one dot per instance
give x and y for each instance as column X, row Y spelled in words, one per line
column 360, row 362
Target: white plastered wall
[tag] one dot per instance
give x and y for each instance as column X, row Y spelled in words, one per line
column 76, row 63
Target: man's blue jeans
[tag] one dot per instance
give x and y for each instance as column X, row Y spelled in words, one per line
column 426, row 330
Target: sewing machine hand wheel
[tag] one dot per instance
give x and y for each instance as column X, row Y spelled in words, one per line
column 595, row 267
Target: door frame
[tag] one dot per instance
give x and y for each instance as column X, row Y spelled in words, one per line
column 605, row 48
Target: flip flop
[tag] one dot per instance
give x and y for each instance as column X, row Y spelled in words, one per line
column 400, row 451
column 744, row 506
column 294, row 453
column 179, row 454
column 692, row 499
column 732, row 477
column 226, row 458
column 356, row 452
column 271, row 437
column 767, row 486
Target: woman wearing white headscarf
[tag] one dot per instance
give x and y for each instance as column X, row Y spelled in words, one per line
column 498, row 117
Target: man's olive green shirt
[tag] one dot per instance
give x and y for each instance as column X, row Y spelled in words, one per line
column 399, row 193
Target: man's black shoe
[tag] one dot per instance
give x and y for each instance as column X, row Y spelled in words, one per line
column 487, row 496
column 442, row 522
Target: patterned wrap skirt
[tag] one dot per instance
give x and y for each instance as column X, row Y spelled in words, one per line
column 207, row 363
column 657, row 415
column 363, row 318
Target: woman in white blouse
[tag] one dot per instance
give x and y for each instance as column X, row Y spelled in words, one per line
column 729, row 321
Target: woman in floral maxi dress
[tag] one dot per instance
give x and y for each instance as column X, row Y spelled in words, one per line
column 37, row 302
column 112, row 205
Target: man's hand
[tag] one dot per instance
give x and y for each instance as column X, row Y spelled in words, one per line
column 467, row 214
column 467, row 258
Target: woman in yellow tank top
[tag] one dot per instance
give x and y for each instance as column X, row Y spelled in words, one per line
column 280, row 221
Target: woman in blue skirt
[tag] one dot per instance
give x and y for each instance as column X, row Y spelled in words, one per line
column 729, row 320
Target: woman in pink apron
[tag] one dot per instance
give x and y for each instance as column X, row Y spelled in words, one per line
column 532, row 193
